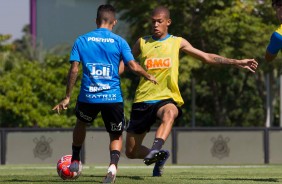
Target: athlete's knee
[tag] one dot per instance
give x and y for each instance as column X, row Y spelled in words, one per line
column 170, row 115
column 168, row 112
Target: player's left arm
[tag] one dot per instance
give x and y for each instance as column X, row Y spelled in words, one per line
column 249, row 64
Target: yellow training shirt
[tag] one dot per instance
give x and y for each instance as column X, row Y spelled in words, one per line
column 161, row 59
column 279, row 30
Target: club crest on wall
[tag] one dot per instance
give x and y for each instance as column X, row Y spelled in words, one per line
column 42, row 148
column 220, row 147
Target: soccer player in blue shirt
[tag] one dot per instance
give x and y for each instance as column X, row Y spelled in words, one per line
column 275, row 43
column 100, row 53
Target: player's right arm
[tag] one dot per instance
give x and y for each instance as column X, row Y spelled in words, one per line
column 273, row 47
column 72, row 76
column 71, row 79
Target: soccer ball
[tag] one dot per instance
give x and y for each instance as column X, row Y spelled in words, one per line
column 63, row 168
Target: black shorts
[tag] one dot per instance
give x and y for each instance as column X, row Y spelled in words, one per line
column 112, row 115
column 144, row 115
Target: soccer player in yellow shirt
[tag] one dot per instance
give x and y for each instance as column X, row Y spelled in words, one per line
column 159, row 55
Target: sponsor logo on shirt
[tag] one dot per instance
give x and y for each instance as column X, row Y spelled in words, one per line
column 100, row 71
column 103, row 40
column 99, row 87
column 105, row 97
column 156, row 63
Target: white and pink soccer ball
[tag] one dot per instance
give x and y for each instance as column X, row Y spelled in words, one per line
column 63, row 168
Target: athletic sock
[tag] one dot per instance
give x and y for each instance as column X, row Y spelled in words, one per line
column 76, row 153
column 158, row 143
column 115, row 154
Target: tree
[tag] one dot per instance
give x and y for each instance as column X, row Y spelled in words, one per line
column 225, row 96
column 31, row 85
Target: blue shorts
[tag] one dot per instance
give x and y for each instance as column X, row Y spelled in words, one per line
column 112, row 115
column 144, row 115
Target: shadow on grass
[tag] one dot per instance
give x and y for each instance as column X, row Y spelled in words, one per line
column 119, row 176
column 57, row 179
column 254, row 179
column 132, row 177
column 240, row 179
column 84, row 179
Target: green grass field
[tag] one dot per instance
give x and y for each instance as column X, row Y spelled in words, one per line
column 261, row 174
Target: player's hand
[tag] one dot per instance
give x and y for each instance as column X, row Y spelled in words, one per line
column 249, row 64
column 152, row 79
column 63, row 105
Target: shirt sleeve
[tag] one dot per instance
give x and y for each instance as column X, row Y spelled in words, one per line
column 275, row 43
column 74, row 55
column 126, row 53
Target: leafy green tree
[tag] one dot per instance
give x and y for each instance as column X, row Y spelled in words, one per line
column 26, row 96
column 6, row 53
column 29, row 88
column 33, row 80
column 225, row 96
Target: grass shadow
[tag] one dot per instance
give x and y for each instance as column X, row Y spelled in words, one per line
column 240, row 179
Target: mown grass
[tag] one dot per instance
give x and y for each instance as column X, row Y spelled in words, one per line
column 262, row 174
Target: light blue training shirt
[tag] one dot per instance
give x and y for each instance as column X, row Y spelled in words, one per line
column 100, row 52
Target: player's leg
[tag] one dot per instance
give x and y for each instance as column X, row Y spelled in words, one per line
column 135, row 149
column 115, row 148
column 113, row 116
column 85, row 113
column 167, row 114
column 141, row 119
column 166, row 111
column 133, row 146
column 79, row 133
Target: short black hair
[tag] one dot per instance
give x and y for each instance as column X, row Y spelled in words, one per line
column 106, row 13
column 161, row 9
column 276, row 2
